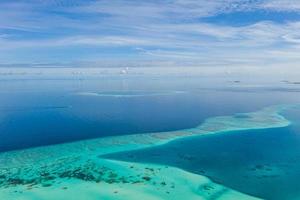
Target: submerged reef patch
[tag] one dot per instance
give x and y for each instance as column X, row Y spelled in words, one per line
column 89, row 170
column 109, row 180
column 76, row 168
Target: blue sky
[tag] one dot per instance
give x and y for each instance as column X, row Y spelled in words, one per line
column 150, row 33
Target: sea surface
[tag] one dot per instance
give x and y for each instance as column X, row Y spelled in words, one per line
column 263, row 163
column 43, row 112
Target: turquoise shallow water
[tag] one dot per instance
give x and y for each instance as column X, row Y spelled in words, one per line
column 263, row 163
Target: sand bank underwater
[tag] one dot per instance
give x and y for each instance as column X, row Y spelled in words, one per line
column 78, row 171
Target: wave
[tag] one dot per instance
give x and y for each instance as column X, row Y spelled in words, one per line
column 119, row 94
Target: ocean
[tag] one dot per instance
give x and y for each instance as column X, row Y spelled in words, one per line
column 42, row 122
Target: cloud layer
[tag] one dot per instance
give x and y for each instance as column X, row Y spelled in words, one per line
column 178, row 32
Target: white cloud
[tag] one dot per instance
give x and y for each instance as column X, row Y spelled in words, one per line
column 281, row 5
column 166, row 31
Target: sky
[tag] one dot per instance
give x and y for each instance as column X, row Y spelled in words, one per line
column 150, row 33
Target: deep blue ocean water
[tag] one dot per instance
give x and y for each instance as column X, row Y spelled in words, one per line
column 43, row 112
column 264, row 163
